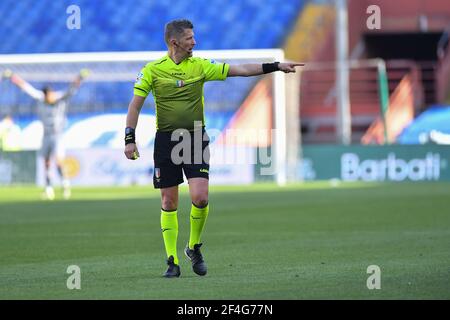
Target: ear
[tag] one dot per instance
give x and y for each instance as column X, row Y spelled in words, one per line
column 174, row 42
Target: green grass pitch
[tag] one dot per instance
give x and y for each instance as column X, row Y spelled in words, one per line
column 305, row 241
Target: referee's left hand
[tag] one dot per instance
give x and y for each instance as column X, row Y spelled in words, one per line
column 289, row 67
column 131, row 151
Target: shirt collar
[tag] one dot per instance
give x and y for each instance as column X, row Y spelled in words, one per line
column 181, row 62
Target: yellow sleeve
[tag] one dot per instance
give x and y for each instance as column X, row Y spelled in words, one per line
column 143, row 83
column 215, row 70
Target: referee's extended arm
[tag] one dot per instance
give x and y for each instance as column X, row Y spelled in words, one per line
column 253, row 69
column 134, row 108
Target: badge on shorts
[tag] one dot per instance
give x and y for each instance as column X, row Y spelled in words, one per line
column 157, row 173
column 179, row 83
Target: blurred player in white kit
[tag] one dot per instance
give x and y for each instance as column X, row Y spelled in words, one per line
column 52, row 107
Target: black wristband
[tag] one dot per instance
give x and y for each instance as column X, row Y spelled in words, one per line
column 270, row 67
column 130, row 136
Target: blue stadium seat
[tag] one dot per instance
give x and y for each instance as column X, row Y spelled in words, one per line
column 219, row 24
column 137, row 25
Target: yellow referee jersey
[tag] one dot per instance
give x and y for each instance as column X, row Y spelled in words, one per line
column 178, row 89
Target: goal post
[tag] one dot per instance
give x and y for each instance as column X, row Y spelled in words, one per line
column 124, row 67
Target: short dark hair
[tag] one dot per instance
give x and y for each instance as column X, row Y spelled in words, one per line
column 46, row 89
column 175, row 28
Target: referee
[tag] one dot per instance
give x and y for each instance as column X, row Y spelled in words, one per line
column 176, row 81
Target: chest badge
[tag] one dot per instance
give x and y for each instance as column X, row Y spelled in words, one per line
column 179, row 83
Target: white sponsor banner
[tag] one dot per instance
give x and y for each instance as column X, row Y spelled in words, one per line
column 107, row 167
column 231, row 165
column 107, row 130
column 101, row 167
column 85, row 132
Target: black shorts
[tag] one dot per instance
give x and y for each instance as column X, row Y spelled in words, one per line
column 189, row 152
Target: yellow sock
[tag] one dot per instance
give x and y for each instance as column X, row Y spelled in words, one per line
column 198, row 219
column 169, row 228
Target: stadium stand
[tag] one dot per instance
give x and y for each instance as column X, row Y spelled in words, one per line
column 413, row 41
column 139, row 26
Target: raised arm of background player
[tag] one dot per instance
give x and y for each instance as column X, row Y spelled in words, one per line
column 239, row 70
column 74, row 85
column 24, row 86
column 39, row 94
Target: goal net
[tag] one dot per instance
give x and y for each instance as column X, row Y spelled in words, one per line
column 246, row 117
